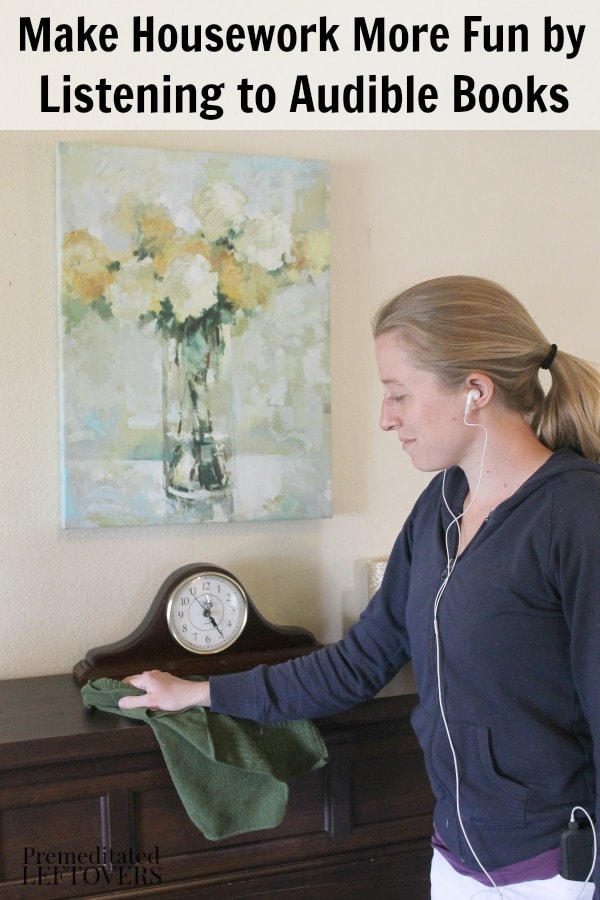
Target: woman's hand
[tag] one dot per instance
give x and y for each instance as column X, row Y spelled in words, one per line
column 165, row 692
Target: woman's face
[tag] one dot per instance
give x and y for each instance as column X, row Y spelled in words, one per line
column 427, row 417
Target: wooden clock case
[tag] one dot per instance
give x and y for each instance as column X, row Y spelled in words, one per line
column 151, row 646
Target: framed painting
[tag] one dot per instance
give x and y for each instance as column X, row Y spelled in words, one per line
column 194, row 336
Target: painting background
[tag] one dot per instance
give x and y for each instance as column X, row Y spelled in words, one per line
column 111, row 373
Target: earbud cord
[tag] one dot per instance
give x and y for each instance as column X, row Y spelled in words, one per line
column 456, row 519
column 450, row 563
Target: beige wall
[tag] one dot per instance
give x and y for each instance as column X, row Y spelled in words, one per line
column 522, row 208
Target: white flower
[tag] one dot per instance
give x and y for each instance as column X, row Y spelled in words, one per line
column 265, row 240
column 133, row 290
column 219, row 208
column 191, row 286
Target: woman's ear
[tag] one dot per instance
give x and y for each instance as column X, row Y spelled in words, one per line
column 480, row 390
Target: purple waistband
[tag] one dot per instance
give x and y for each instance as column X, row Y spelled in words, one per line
column 544, row 865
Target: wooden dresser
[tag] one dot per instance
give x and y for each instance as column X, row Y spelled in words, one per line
column 87, row 809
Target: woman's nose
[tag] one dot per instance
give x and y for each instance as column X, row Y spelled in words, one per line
column 387, row 421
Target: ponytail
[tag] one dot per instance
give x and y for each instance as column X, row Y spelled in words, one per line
column 569, row 414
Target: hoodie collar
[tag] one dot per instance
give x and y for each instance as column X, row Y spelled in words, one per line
column 563, row 460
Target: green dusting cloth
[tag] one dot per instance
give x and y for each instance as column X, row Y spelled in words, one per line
column 230, row 773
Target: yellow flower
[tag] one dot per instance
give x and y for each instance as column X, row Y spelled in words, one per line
column 246, row 286
column 156, row 229
column 177, row 247
column 147, row 225
column 85, row 262
column 311, row 250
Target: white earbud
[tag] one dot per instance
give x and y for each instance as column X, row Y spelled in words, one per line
column 472, row 396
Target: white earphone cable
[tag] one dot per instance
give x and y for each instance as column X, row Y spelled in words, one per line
column 450, row 563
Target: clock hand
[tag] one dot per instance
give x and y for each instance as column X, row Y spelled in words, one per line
column 207, row 606
column 212, row 621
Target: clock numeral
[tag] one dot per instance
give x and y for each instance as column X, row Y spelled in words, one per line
column 206, row 585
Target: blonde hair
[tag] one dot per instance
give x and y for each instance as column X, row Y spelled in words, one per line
column 461, row 324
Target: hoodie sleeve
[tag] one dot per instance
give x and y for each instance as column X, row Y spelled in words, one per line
column 575, row 558
column 336, row 677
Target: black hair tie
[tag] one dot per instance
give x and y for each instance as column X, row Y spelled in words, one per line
column 550, row 358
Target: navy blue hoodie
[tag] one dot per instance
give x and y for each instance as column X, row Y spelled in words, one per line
column 519, row 636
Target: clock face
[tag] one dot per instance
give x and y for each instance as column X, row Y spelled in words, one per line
column 207, row 612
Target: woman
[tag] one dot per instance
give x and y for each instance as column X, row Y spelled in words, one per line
column 492, row 589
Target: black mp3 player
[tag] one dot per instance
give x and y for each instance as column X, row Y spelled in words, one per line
column 576, row 851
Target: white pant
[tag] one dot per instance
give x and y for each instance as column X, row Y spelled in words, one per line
column 448, row 884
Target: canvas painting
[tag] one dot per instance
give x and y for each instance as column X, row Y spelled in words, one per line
column 194, row 336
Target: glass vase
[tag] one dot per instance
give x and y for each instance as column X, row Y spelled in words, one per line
column 197, row 416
